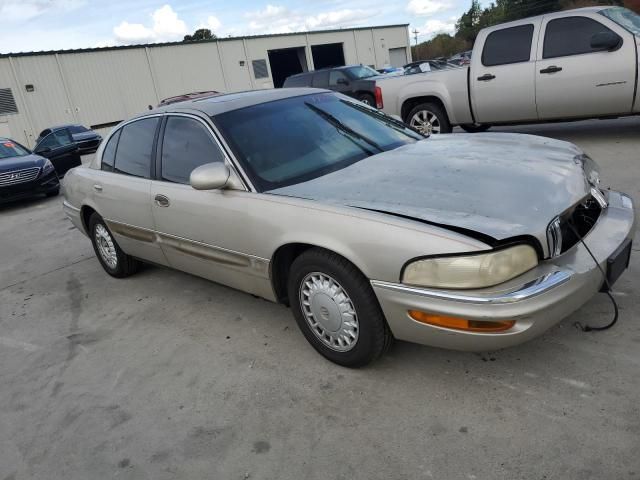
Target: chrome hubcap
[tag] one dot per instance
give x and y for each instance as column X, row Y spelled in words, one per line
column 106, row 247
column 329, row 311
column 425, row 122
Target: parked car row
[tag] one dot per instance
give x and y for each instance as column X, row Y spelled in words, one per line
column 25, row 173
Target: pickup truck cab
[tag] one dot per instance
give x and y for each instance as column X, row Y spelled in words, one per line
column 569, row 65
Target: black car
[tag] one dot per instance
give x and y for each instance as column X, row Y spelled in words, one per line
column 357, row 81
column 23, row 174
column 86, row 139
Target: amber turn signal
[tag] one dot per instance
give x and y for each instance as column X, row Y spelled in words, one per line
column 460, row 323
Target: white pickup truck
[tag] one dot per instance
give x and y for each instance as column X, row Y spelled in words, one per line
column 567, row 65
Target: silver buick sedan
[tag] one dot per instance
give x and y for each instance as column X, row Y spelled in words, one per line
column 366, row 229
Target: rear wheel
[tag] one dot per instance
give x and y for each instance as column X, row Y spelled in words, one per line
column 429, row 119
column 336, row 309
column 367, row 99
column 114, row 261
column 475, row 127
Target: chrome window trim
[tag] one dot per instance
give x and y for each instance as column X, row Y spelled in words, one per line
column 527, row 291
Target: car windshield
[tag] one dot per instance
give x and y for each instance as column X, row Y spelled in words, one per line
column 361, row 72
column 9, row 149
column 624, row 17
column 77, row 129
column 289, row 141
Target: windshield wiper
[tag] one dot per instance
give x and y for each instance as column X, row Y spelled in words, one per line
column 344, row 128
column 388, row 121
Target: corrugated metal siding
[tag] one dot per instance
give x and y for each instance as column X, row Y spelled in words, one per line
column 104, row 86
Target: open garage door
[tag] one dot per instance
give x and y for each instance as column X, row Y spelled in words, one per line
column 327, row 55
column 286, row 62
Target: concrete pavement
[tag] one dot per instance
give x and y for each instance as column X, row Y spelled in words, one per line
column 168, row 376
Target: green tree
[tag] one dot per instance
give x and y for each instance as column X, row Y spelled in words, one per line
column 200, row 34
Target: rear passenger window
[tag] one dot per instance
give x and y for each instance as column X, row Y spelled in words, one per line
column 321, row 79
column 187, row 144
column 570, row 36
column 336, row 77
column 509, row 45
column 133, row 156
column 109, row 153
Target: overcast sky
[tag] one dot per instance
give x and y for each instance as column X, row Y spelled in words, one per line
column 31, row 25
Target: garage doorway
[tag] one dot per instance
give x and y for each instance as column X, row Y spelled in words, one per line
column 398, row 57
column 285, row 62
column 327, row 55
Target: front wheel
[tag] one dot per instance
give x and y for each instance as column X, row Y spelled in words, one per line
column 475, row 127
column 429, row 119
column 114, row 261
column 336, row 309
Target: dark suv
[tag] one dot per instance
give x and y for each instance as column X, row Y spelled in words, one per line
column 357, row 81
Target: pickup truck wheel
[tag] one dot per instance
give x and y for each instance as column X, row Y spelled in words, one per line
column 367, row 99
column 336, row 309
column 114, row 261
column 475, row 127
column 429, row 119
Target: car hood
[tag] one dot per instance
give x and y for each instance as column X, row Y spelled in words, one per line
column 19, row 163
column 496, row 184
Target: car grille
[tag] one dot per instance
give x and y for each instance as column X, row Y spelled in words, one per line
column 19, row 176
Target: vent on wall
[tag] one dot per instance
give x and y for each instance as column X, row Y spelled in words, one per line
column 260, row 68
column 7, row 102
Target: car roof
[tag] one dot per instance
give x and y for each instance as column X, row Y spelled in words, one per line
column 66, row 125
column 218, row 104
column 310, row 72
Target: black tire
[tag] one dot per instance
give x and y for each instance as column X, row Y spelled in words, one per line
column 374, row 336
column 53, row 193
column 125, row 265
column 367, row 98
column 435, row 109
column 475, row 127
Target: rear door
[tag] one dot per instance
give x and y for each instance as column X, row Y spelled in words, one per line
column 122, row 188
column 60, row 148
column 502, row 74
column 574, row 79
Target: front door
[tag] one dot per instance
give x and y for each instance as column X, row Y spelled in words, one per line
column 59, row 147
column 202, row 231
column 502, row 75
column 575, row 79
column 121, row 189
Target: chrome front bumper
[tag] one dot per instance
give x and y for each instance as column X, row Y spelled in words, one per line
column 536, row 300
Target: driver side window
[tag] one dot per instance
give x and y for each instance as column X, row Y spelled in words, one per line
column 336, row 77
column 187, row 144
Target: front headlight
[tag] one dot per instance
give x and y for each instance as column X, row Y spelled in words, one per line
column 48, row 167
column 473, row 270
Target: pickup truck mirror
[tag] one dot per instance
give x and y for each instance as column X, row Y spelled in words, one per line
column 605, row 41
column 342, row 81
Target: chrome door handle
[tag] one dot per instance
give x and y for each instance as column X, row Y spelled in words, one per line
column 97, row 188
column 162, row 201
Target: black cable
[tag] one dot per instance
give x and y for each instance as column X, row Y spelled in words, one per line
column 588, row 328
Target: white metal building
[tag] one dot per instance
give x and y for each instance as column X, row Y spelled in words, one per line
column 100, row 87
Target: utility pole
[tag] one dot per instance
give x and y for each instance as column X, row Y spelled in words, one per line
column 415, row 35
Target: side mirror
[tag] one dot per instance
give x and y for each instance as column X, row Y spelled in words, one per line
column 210, row 176
column 605, row 41
column 342, row 81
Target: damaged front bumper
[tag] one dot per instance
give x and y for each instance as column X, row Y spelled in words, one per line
column 536, row 300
